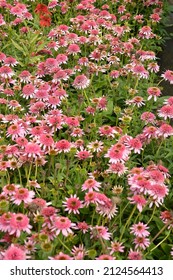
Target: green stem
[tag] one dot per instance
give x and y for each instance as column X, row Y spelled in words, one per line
column 36, row 169
column 161, row 241
column 20, row 177
column 152, row 215
column 127, row 223
column 86, row 97
column 29, row 173
column 62, row 243
column 162, row 229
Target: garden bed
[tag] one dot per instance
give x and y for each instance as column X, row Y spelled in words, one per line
column 86, row 136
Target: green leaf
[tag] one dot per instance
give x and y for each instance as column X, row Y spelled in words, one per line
column 17, row 46
column 166, row 248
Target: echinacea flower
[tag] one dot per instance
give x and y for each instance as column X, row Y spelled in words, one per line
column 18, row 223
column 140, row 229
column 90, row 185
column 22, row 195
column 135, row 255
column 105, row 257
column 61, row 257
column 72, row 204
column 81, row 82
column 14, row 252
column 62, row 224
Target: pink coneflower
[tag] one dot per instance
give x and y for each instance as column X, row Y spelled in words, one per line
column 62, row 224
column 25, row 76
column 28, row 91
column 140, row 71
column 114, row 74
column 73, row 49
column 41, row 95
column 40, row 202
column 166, row 112
column 107, row 131
column 169, row 101
column 90, row 197
column 48, row 211
column 83, row 61
column 81, row 82
column 72, row 204
column 61, row 93
column 18, row 9
column 22, row 195
column 21, row 141
column 153, row 92
column 79, row 252
column 5, row 221
column 134, row 144
column 18, row 223
column 30, row 245
column 136, row 101
column 10, row 189
column 14, row 104
column 2, row 56
column 83, row 226
column 61, row 58
column 148, row 117
column 96, row 146
column 141, row 242
column 14, row 252
column 146, row 32
column 140, row 229
column 135, row 255
column 150, row 132
column 90, row 185
column 165, row 130
column 10, row 61
column 155, row 17
column 72, row 121
column 168, row 76
column 158, row 193
column 155, row 176
column 51, row 64
column 106, row 207
column 117, row 168
column 46, row 141
column 117, row 153
column 153, row 67
column 100, row 232
column 61, row 257
column 2, row 21
column 34, row 184
column 139, row 200
column 83, row 154
column 90, row 110
column 77, row 132
column 63, row 146
column 116, row 247
column 32, row 150
column 53, row 45
column 105, row 257
column 6, row 72
column 37, row 131
column 8, row 92
column 166, row 216
column 60, row 75
column 15, row 130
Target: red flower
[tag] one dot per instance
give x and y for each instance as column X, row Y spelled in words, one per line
column 45, row 20
column 42, row 9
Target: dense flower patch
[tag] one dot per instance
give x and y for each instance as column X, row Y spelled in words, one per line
column 86, row 135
